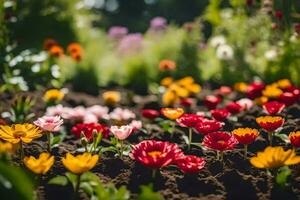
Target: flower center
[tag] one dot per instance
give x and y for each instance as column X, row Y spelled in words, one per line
column 18, row 134
column 154, row 153
column 221, row 142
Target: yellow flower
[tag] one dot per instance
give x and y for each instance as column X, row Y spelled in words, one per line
column 272, row 91
column 166, row 81
column 186, row 81
column 274, row 157
column 169, row 98
column 53, row 95
column 261, row 100
column 80, row 163
column 111, row 97
column 172, row 113
column 179, row 91
column 6, row 147
column 284, row 83
column 241, row 87
column 40, row 165
column 20, row 132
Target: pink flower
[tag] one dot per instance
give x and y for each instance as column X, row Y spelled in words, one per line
column 58, row 110
column 49, row 123
column 101, row 112
column 77, row 113
column 90, row 118
column 245, row 103
column 121, row 132
column 224, row 90
column 136, row 125
column 120, row 114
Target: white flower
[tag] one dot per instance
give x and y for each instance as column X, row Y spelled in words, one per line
column 224, row 52
column 217, row 41
column 271, row 54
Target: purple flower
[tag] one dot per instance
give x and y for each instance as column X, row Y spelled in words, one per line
column 117, row 32
column 158, row 24
column 131, row 43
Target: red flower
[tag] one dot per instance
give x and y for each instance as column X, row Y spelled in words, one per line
column 245, row 135
column 255, row 89
column 150, row 113
column 220, row 114
column 234, row 108
column 207, row 126
column 88, row 128
column 270, row 123
column 273, row 107
column 190, row 164
column 295, row 138
column 186, row 102
column 278, row 14
column 220, row 141
column 288, row 98
column 156, row 154
column 211, row 101
column 189, row 120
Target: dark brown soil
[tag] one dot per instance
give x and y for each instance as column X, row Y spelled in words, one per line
column 233, row 180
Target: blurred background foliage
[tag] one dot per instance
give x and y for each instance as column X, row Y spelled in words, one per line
column 256, row 41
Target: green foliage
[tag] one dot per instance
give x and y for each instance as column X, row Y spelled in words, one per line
column 20, row 110
column 282, row 176
column 147, row 193
column 92, row 186
column 15, row 183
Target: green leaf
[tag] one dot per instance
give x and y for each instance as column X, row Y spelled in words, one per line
column 73, row 178
column 15, row 183
column 87, row 188
column 59, row 180
column 283, row 137
column 147, row 193
column 282, row 176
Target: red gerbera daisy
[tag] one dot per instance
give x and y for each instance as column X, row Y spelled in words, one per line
column 295, row 138
column 88, row 128
column 211, row 101
column 156, row 154
column 189, row 120
column 234, row 107
column 220, row 141
column 207, row 126
column 273, row 107
column 150, row 113
column 190, row 164
column 220, row 114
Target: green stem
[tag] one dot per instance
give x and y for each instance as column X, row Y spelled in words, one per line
column 154, row 172
column 190, row 137
column 218, row 155
column 121, row 149
column 173, row 129
column 21, row 151
column 245, row 151
column 270, row 137
column 77, row 185
column 49, row 141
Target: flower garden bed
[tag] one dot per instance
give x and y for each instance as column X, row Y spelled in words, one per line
column 223, row 171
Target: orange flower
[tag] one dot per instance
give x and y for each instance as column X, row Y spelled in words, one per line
column 167, row 81
column 270, row 123
column 272, row 91
column 172, row 113
column 167, row 65
column 245, row 135
column 56, row 51
column 261, row 100
column 284, row 83
column 76, row 56
column 74, row 48
column 49, row 42
column 241, row 87
column 295, row 138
